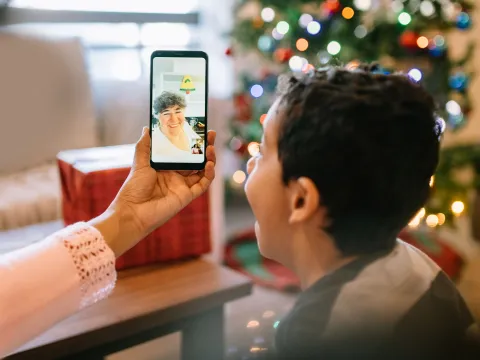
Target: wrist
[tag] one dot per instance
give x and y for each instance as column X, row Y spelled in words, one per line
column 118, row 230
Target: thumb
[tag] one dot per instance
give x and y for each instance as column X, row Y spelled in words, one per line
column 142, row 150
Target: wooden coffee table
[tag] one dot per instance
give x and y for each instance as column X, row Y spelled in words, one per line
column 148, row 303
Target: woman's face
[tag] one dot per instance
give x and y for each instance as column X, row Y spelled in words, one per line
column 171, row 120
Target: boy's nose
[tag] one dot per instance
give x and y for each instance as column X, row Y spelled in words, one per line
column 250, row 164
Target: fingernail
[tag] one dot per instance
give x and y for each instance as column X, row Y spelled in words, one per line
column 145, row 129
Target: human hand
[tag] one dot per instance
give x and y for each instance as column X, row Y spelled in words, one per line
column 149, row 198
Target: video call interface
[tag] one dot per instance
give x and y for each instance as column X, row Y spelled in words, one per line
column 178, row 110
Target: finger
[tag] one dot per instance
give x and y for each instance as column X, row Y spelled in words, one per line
column 142, row 150
column 211, row 136
column 187, row 172
column 200, row 186
column 211, row 156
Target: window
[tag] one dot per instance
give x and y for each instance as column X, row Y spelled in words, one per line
column 118, row 35
column 129, row 6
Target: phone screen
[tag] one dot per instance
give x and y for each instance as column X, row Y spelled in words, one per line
column 178, row 110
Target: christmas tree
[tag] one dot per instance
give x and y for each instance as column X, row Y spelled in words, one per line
column 401, row 35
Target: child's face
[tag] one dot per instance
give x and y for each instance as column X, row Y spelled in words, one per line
column 268, row 195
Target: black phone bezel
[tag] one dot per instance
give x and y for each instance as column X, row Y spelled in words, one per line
column 181, row 54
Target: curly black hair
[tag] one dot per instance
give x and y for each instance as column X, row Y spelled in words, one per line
column 168, row 99
column 370, row 143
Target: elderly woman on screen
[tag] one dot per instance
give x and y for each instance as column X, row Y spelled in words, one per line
column 175, row 137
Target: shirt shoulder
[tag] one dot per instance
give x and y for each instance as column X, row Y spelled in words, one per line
column 368, row 304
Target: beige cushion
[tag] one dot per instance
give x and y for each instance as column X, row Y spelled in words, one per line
column 30, row 197
column 45, row 101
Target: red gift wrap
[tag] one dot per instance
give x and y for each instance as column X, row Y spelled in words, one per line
column 90, row 180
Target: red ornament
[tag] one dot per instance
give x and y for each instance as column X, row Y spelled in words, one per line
column 283, row 54
column 243, row 107
column 409, row 39
column 238, row 145
column 229, row 51
column 242, row 149
column 332, row 5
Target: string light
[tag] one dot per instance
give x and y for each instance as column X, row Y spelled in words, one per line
column 308, row 67
column 304, row 20
column 266, row 43
column 297, row 63
column 422, row 42
column 348, row 13
column 302, row 44
column 256, row 90
column 453, row 108
column 268, row 314
column 439, row 41
column 432, row 181
column 314, row 27
column 421, row 213
column 352, row 65
column 415, row 74
column 283, row 27
column 362, row 5
column 458, row 207
column 397, row 6
column 276, row 35
column 432, row 220
column 253, row 148
column 239, row 176
column 427, row 9
column 253, row 324
column 360, row 31
column 324, row 57
column 414, row 222
column 334, row 48
column 236, row 144
column 441, row 219
column 268, row 14
column 417, row 218
column 404, row 18
column 262, row 118
column 275, row 324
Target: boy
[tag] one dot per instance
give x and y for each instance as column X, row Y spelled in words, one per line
column 345, row 163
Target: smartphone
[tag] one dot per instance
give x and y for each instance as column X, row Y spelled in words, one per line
column 178, row 108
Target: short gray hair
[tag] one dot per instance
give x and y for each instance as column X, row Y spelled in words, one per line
column 168, row 99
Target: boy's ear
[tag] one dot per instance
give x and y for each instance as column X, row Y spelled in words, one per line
column 304, row 200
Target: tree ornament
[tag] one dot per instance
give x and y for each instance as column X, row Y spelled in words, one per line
column 282, row 55
column 331, row 6
column 464, row 21
column 266, row 43
column 456, row 122
column 257, row 22
column 238, row 145
column 229, row 51
column 243, row 107
column 409, row 39
column 458, row 81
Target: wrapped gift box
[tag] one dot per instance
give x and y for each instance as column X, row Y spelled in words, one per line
column 91, row 178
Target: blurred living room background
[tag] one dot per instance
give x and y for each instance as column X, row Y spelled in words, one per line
column 75, row 75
